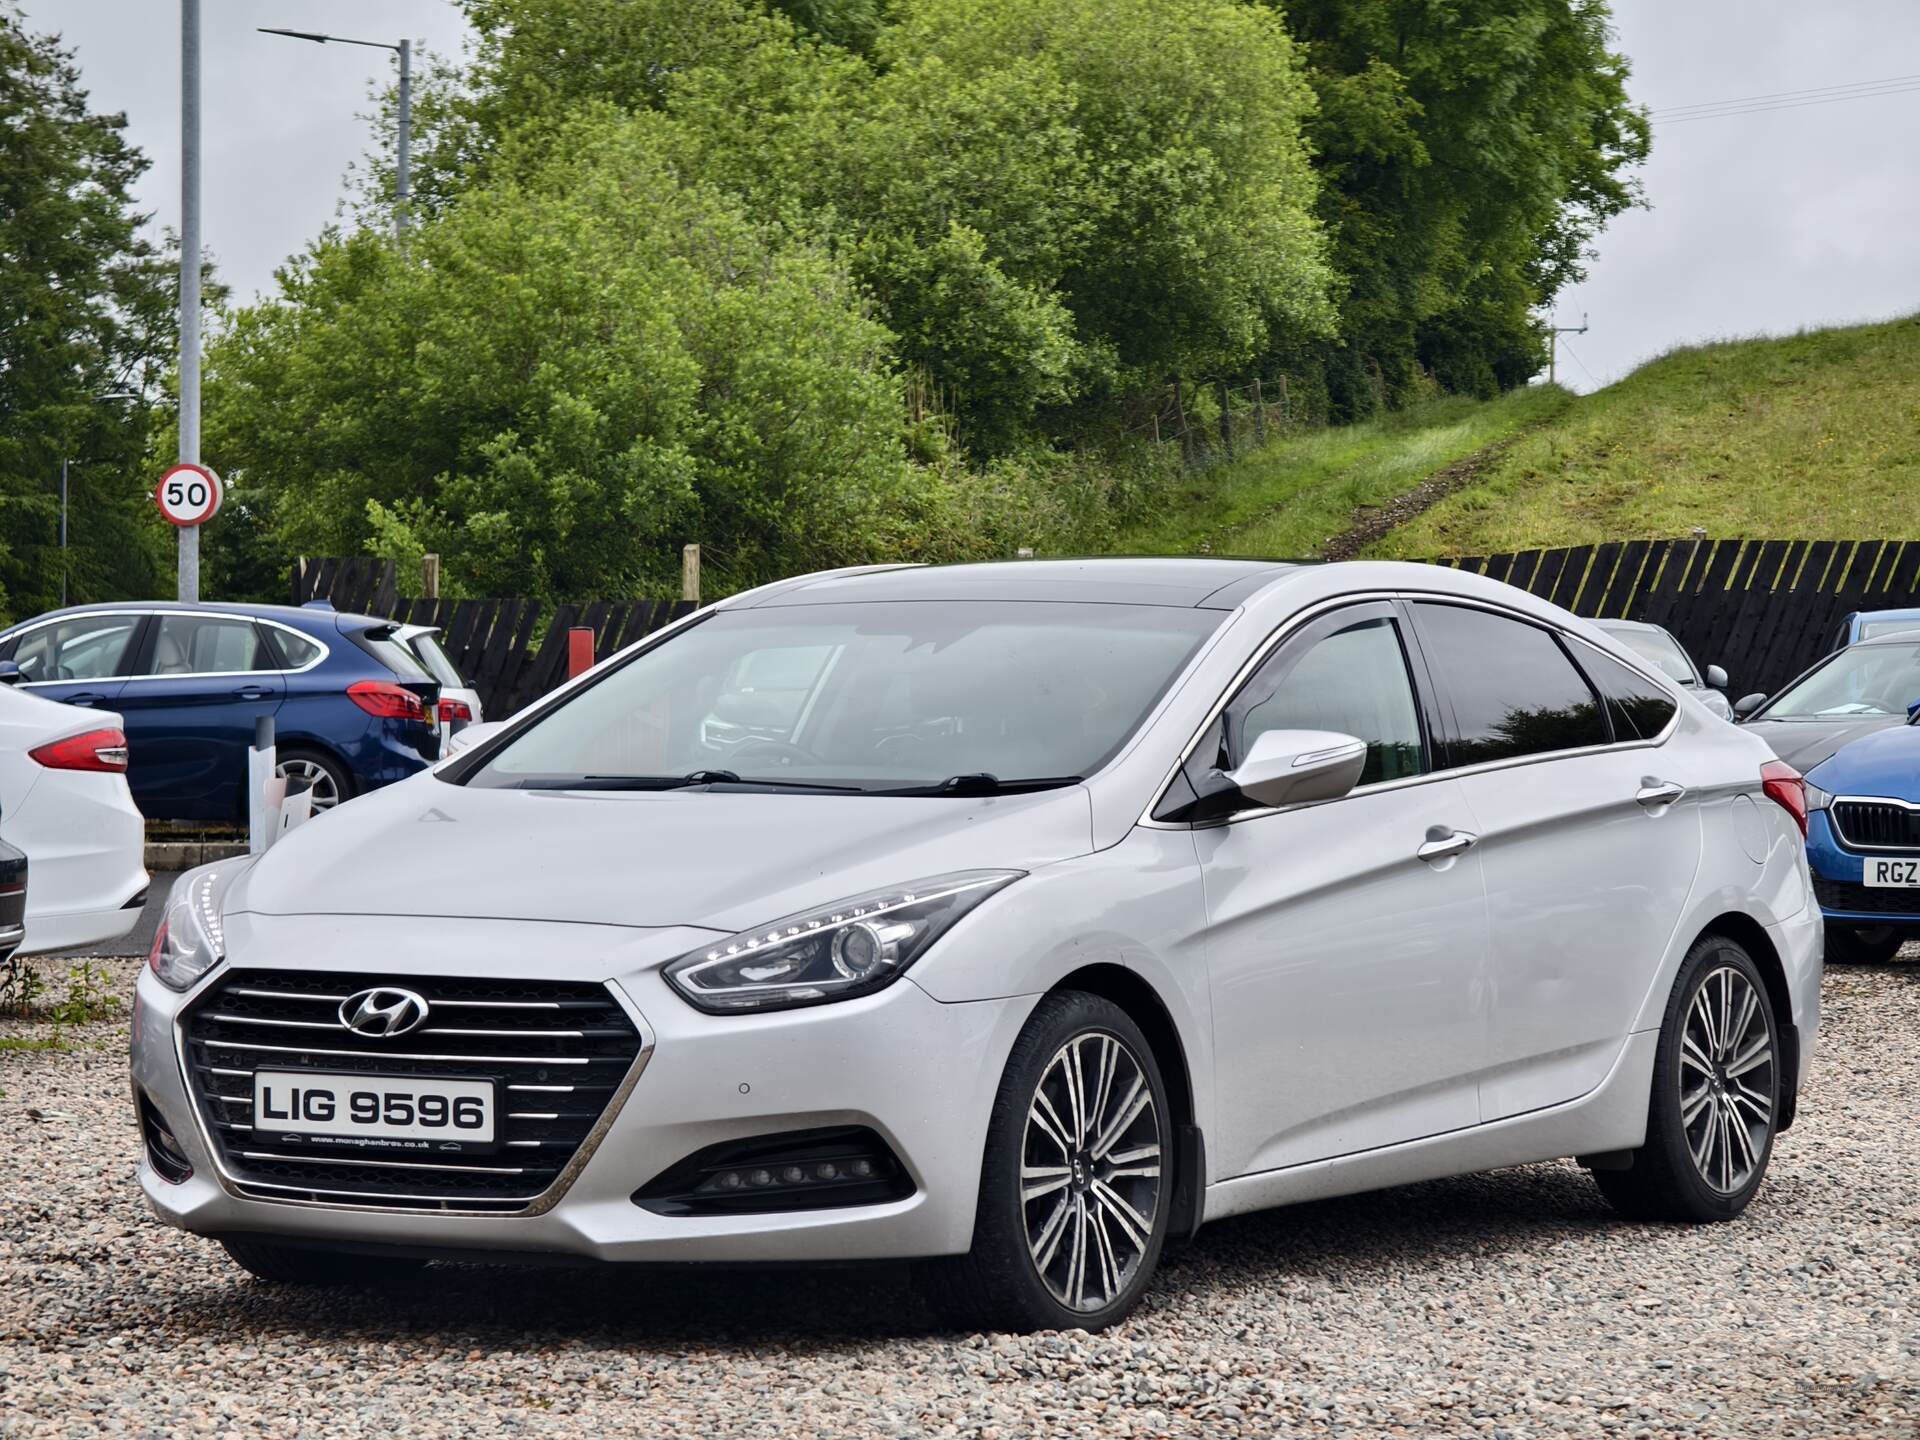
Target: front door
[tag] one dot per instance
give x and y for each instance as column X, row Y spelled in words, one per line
column 1348, row 972
column 80, row 660
column 201, row 682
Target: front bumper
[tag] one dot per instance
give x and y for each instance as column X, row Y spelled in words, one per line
column 1837, row 881
column 920, row 1073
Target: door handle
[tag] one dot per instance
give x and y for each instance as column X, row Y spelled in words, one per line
column 250, row 692
column 83, row 699
column 1655, row 793
column 1444, row 844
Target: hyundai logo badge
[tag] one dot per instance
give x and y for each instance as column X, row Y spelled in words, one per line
column 383, row 1011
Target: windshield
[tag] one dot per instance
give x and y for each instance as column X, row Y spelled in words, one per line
column 872, row 697
column 1878, row 679
column 1869, row 629
column 1661, row 649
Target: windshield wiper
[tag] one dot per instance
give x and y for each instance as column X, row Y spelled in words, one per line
column 688, row 781
column 981, row 783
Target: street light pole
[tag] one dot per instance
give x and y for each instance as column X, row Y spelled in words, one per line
column 403, row 160
column 189, row 583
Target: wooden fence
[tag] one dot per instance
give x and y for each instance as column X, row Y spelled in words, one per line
column 1763, row 609
column 491, row 642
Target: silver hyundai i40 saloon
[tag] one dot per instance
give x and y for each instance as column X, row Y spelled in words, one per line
column 1014, row 919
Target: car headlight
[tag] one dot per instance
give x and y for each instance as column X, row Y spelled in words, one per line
column 834, row 952
column 192, row 939
column 1817, row 799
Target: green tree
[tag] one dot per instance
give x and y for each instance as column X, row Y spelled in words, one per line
column 86, row 331
column 570, row 375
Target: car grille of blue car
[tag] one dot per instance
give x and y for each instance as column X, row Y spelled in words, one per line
column 1876, row 825
column 1838, row 896
column 558, row 1052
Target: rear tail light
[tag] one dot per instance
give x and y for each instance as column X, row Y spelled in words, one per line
column 95, row 750
column 452, row 710
column 386, row 700
column 1786, row 789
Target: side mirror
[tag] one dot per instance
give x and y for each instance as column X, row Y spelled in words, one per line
column 10, row 673
column 1716, row 677
column 471, row 735
column 1291, row 767
column 1747, row 704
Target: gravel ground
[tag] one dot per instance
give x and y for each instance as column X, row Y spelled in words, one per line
column 1504, row 1305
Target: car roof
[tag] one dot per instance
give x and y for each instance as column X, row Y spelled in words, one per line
column 1189, row 583
column 1897, row 637
column 1644, row 627
column 296, row 616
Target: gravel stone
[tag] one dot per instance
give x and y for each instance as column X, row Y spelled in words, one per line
column 1511, row 1306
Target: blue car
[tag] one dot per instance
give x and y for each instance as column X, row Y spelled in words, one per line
column 1871, row 624
column 352, row 707
column 1863, row 841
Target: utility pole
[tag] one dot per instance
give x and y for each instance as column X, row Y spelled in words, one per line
column 189, row 588
column 1553, row 351
column 403, row 160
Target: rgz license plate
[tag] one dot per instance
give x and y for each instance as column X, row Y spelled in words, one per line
column 373, row 1112
column 1895, row 874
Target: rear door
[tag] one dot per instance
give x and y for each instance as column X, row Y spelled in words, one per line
column 203, row 680
column 1590, row 842
column 1347, row 941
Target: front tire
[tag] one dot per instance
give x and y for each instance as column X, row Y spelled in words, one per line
column 1864, row 944
column 296, row 1265
column 1716, row 1095
column 1076, row 1184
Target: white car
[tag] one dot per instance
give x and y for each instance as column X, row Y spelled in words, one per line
column 459, row 702
column 1072, row 905
column 64, row 801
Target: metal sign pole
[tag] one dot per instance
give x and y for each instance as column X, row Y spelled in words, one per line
column 189, row 588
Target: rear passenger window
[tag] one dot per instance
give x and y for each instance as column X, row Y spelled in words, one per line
column 290, row 651
column 1514, row 691
column 1639, row 709
column 207, row 645
column 1354, row 682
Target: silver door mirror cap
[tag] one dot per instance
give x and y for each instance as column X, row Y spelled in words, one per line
column 1292, row 767
column 1716, row 677
column 469, row 736
column 1747, row 704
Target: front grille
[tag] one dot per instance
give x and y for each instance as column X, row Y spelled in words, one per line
column 558, row 1051
column 1876, row 825
column 1865, row 900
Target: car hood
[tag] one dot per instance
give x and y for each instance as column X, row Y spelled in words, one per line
column 1886, row 762
column 723, row 861
column 1803, row 744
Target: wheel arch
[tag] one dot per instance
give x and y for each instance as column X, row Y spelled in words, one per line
column 1752, row 937
column 1136, row 995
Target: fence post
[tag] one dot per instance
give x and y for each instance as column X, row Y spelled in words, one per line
column 690, row 573
column 1259, row 414
column 300, row 596
column 1180, row 412
column 1226, row 418
column 579, row 650
column 430, row 577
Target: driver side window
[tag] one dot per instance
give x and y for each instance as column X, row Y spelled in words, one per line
column 1353, row 680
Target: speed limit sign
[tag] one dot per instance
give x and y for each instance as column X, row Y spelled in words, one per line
column 189, row 494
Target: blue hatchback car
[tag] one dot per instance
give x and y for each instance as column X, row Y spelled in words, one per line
column 1863, row 841
column 351, row 706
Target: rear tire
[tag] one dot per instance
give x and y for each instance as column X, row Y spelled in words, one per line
column 325, row 777
column 1864, row 944
column 295, row 1265
column 1074, row 1200
column 1716, row 1096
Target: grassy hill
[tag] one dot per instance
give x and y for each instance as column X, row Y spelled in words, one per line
column 1813, row 436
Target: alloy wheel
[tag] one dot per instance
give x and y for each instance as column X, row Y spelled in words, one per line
column 1090, row 1171
column 315, row 776
column 1727, row 1079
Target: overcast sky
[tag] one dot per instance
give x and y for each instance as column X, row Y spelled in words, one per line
column 1760, row 223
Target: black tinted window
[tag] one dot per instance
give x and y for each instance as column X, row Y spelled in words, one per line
column 1354, row 682
column 1514, row 690
column 1639, row 708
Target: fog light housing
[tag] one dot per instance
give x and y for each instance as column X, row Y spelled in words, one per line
column 163, row 1151
column 800, row 1170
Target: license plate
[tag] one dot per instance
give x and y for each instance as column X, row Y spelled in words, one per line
column 1893, row 874
column 373, row 1112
